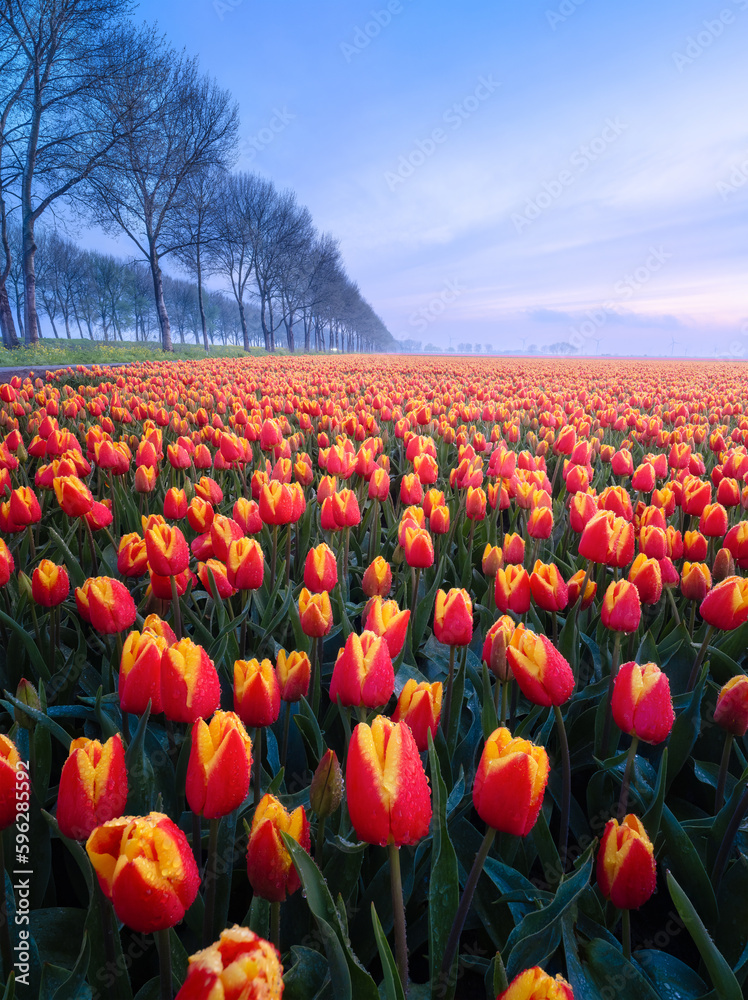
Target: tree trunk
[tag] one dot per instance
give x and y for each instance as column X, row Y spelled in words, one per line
column 31, row 319
column 265, row 331
column 163, row 316
column 203, row 322
column 289, row 333
column 243, row 319
column 7, row 326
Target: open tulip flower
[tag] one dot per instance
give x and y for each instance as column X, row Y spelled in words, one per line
column 269, row 866
column 145, row 866
column 535, row 984
column 239, row 966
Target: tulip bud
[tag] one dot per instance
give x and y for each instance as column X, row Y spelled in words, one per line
column 625, row 864
column 245, row 564
column 132, row 557
column 11, row 769
column 326, row 791
column 512, row 591
column 453, row 617
column 418, row 548
column 256, row 692
column 320, row 569
column 510, row 783
column 25, row 588
column 420, row 705
column 726, row 604
column 7, row 563
column 495, row 646
column 190, row 688
column 93, row 786
column 493, row 560
column 219, row 765
column 542, row 673
column 166, row 546
column 641, row 704
column 439, row 519
column 646, row 576
column 696, row 581
column 140, row 672
column 514, row 549
column 239, row 965
column 377, row 579
column 293, row 671
column 26, row 693
column 731, row 712
column 363, row 672
column 548, row 587
column 315, row 613
column 271, row 872
column 106, row 604
column 535, row 984
column 389, row 801
column 130, row 856
column 386, row 619
column 724, row 566
column 621, row 609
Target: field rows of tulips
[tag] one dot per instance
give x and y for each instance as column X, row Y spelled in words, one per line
column 374, row 677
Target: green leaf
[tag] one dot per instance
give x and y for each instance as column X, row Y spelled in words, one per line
column 685, row 732
column 348, row 976
column 444, row 896
column 489, row 717
column 653, row 816
column 673, row 979
column 305, row 977
column 722, row 976
column 425, row 607
column 29, row 644
column 684, row 859
column 140, row 775
column 77, row 850
column 71, row 989
column 536, row 938
column 393, row 988
column 72, row 563
column 610, row 971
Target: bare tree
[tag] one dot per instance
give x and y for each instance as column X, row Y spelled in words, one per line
column 182, row 122
column 193, row 232
column 67, row 47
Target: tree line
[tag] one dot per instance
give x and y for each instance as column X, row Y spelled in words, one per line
column 107, row 120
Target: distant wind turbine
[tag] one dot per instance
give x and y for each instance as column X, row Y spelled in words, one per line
column 673, row 342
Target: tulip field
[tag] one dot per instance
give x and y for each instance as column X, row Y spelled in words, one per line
column 374, row 677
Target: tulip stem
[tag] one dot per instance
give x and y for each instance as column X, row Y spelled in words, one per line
column 727, row 840
column 624, row 799
column 320, row 842
column 450, row 682
column 275, row 924
column 106, row 917
column 210, row 883
column 176, row 610
column 700, row 658
column 672, row 605
column 258, row 766
column 626, row 933
column 719, row 795
column 398, row 910
column 288, row 553
column 197, row 837
column 504, row 700
column 583, row 589
column 94, row 560
column 5, row 945
column 563, row 836
column 274, row 557
column 467, row 898
column 692, row 620
column 286, row 728
column 164, row 958
column 611, row 686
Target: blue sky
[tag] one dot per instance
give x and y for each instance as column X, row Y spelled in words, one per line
column 507, row 173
